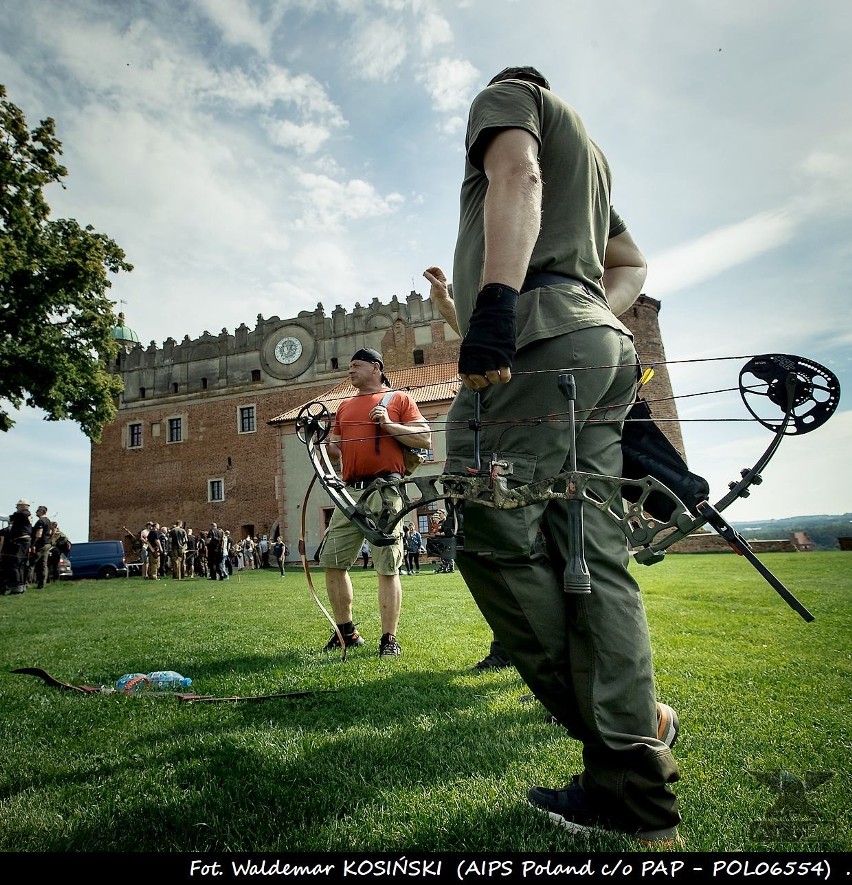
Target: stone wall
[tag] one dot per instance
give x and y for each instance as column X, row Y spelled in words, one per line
column 710, row 542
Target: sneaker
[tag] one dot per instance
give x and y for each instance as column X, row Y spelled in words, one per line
column 352, row 640
column 668, row 724
column 570, row 808
column 495, row 660
column 389, row 647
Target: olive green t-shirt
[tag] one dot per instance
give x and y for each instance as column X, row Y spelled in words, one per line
column 576, row 220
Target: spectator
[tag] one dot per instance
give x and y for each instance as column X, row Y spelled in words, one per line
column 40, row 548
column 191, row 551
column 156, row 548
column 443, row 542
column 177, row 550
column 16, row 548
column 415, row 542
column 60, row 546
column 280, row 552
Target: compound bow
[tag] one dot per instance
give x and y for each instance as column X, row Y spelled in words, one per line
column 806, row 393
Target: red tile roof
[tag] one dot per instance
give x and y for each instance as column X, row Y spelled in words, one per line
column 426, row 384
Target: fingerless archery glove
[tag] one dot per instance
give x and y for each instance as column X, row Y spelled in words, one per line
column 489, row 342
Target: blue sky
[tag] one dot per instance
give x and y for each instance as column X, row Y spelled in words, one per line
column 264, row 157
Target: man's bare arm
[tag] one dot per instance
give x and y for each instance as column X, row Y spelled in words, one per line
column 625, row 271
column 439, row 294
column 512, row 206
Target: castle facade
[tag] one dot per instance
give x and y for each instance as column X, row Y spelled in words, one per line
column 205, row 429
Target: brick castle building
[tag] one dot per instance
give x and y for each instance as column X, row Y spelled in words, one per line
column 205, row 430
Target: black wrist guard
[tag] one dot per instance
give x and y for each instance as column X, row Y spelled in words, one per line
column 489, row 342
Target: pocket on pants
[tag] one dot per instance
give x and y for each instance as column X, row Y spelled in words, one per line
column 505, row 530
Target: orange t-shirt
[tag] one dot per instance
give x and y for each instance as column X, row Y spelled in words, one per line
column 365, row 448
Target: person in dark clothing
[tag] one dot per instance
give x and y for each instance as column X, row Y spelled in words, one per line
column 443, row 543
column 280, row 551
column 39, row 548
column 17, row 547
column 216, row 553
column 543, row 267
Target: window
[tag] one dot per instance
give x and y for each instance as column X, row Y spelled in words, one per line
column 134, row 436
column 255, row 374
column 215, row 490
column 175, row 387
column 247, row 424
column 334, row 362
column 423, row 526
column 418, row 357
column 175, row 430
column 141, row 393
column 204, row 384
column 429, row 453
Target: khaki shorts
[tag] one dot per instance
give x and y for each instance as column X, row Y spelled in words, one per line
column 342, row 546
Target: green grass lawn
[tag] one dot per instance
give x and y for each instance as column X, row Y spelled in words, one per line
column 418, row 753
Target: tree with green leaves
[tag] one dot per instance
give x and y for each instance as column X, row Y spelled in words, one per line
column 56, row 322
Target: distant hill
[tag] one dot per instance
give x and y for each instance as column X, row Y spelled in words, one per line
column 822, row 530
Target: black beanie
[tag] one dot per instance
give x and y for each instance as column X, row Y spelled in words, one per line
column 526, row 73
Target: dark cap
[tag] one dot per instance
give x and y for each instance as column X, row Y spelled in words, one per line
column 521, row 73
column 368, row 355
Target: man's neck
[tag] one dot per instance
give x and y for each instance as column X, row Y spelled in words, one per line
column 371, row 388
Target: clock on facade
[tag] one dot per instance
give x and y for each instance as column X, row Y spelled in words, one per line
column 288, row 350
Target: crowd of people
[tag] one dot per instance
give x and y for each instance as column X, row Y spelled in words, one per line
column 30, row 550
column 179, row 552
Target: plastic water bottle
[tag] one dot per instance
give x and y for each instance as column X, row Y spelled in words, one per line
column 132, row 683
column 167, row 680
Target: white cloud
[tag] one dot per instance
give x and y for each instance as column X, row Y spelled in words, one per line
column 305, row 138
column 377, row 49
column 827, row 185
column 328, row 203
column 712, row 254
column 269, row 85
column 433, row 31
column 238, row 24
column 451, row 84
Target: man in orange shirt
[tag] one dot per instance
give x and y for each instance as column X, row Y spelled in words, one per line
column 367, row 440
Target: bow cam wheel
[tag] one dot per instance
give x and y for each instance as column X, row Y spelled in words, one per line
column 809, row 391
column 313, row 420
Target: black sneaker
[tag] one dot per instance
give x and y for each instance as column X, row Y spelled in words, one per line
column 495, row 660
column 389, row 647
column 570, row 808
column 352, row 640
